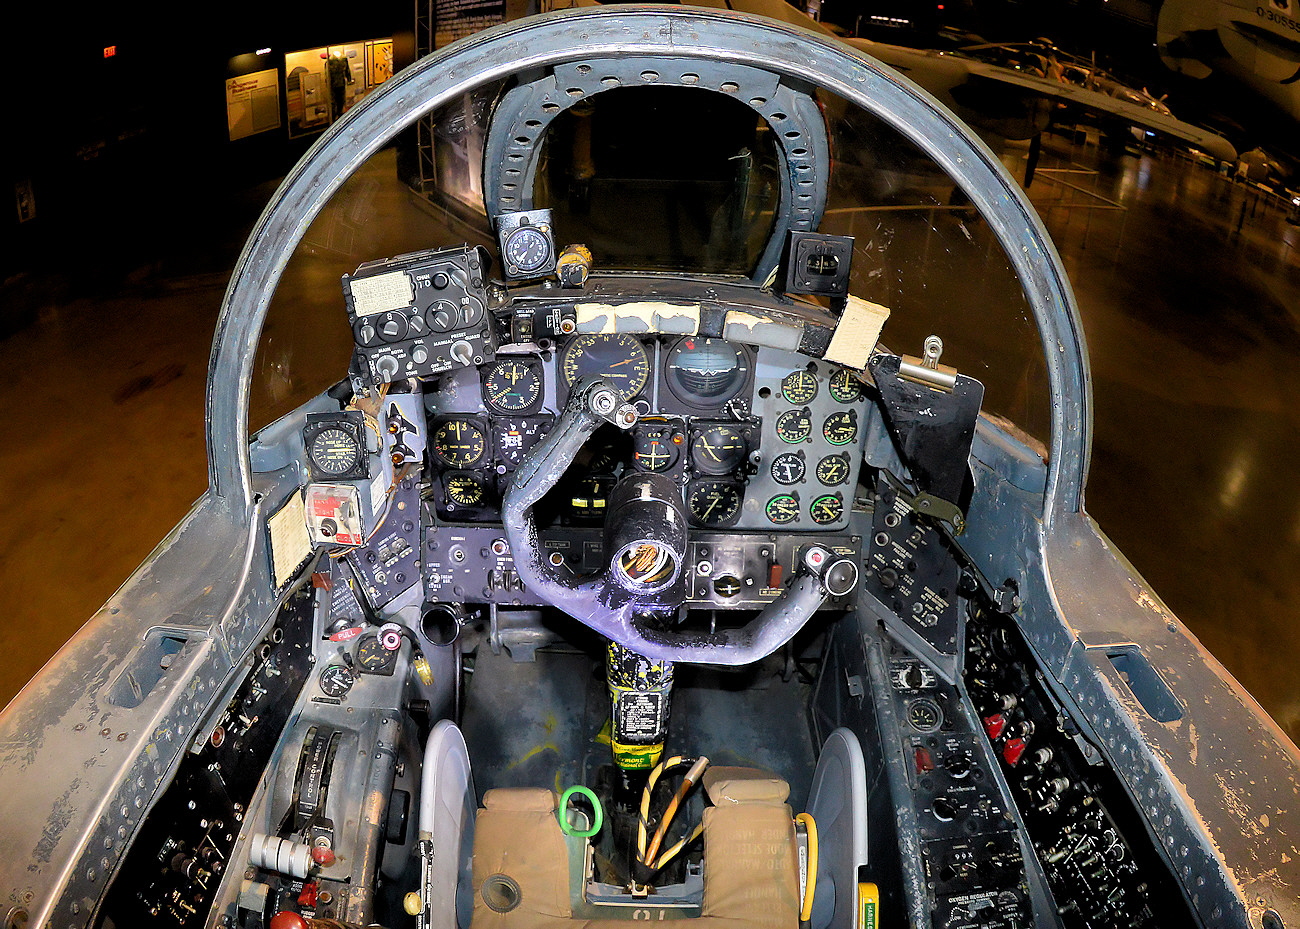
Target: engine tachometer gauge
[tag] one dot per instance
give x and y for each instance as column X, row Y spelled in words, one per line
column 619, row 359
column 799, row 387
column 459, row 443
column 833, row 469
column 782, row 509
column 789, row 468
column 828, row 508
column 841, row 428
column 794, row 425
column 718, row 450
column 845, row 387
column 705, row 372
column 512, row 386
column 713, row 503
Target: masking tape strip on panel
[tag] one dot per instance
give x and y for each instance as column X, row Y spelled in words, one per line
column 643, row 316
column 857, row 333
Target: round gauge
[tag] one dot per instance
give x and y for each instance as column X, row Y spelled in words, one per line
column 713, row 503
column 794, row 425
column 799, row 387
column 833, row 469
column 789, row 468
column 459, row 443
column 464, row 489
column 516, row 436
column 827, row 508
column 619, row 359
column 336, row 680
column 334, row 451
column 844, row 387
column 656, row 448
column 705, row 372
column 924, row 715
column 841, row 428
column 528, row 249
column 718, row 450
column 782, row 509
column 372, row 656
column 512, row 386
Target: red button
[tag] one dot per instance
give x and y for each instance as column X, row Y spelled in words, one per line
column 995, row 725
column 1013, row 750
column 288, row 920
column 924, row 763
column 323, row 856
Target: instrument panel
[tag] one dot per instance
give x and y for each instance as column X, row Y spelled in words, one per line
column 756, row 438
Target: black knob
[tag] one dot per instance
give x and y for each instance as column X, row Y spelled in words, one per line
column 944, row 809
column 958, row 765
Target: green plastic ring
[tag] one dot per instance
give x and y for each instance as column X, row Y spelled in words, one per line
column 598, row 815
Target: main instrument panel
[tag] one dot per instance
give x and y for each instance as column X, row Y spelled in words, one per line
column 756, row 438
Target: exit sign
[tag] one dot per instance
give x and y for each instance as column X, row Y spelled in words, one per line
column 110, row 51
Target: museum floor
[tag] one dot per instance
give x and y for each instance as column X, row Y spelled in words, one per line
column 1189, row 287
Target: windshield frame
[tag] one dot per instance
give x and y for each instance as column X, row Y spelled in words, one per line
column 682, row 32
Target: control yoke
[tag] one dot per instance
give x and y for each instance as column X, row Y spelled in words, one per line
column 645, row 535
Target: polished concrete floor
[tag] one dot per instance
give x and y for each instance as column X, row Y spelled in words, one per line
column 1189, row 287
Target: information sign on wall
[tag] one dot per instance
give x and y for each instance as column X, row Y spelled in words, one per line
column 253, row 103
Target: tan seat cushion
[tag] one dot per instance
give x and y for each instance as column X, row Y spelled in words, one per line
column 751, row 876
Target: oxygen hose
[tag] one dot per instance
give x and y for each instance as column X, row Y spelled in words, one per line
column 647, row 852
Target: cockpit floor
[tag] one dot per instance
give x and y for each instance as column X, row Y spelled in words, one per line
column 545, row 723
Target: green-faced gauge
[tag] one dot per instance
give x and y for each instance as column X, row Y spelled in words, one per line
column 782, row 509
column 841, row 428
column 794, row 425
column 833, row 469
column 828, row 508
column 459, row 443
column 713, row 503
column 619, row 359
column 799, row 387
column 845, row 387
column 512, row 385
column 718, row 450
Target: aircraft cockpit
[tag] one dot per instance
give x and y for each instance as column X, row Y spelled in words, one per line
column 670, row 508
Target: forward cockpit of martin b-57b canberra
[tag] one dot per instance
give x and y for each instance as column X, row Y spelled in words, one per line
column 625, row 573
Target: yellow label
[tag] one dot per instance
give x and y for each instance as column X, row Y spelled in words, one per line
column 868, row 906
column 423, row 670
column 637, row 757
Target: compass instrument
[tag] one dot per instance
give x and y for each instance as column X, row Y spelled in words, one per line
column 705, row 372
column 841, row 428
column 713, row 503
column 513, row 385
column 833, row 469
column 459, row 443
column 336, row 446
column 619, row 359
column 782, row 509
column 845, row 387
column 789, row 468
column 799, row 387
column 656, row 447
column 794, row 425
column 718, row 450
